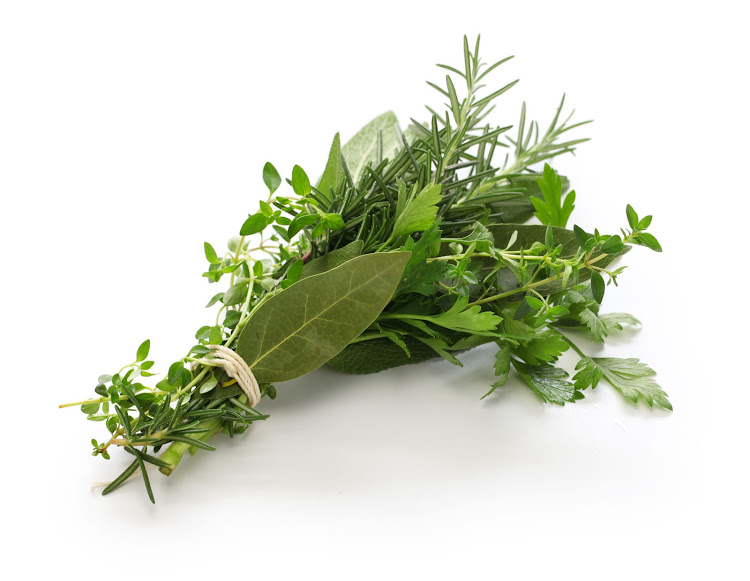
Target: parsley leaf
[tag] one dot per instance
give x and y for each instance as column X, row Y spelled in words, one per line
column 548, row 382
column 552, row 209
column 502, row 367
column 546, row 346
column 417, row 212
column 633, row 378
column 471, row 320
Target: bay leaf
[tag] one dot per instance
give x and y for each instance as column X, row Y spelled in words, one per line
column 363, row 147
column 304, row 326
column 332, row 259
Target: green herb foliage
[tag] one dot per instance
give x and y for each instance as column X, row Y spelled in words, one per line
column 411, row 244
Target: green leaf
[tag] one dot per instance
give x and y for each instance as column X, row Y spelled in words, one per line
column 552, row 209
column 632, row 217
column 419, row 212
column 548, row 382
column 210, row 253
column 143, row 350
column 581, row 235
column 534, row 302
column 300, row 181
column 90, row 408
column 332, row 259
column 302, row 327
column 527, row 234
column 472, row 320
column 596, row 326
column 648, row 240
column 271, row 177
column 208, row 384
column 362, row 149
column 236, row 294
column 254, row 224
column 175, row 372
column 294, row 272
column 613, row 245
column 617, row 320
column 544, row 347
column 597, row 286
column 232, row 318
column 301, row 221
column 333, row 174
column 333, row 221
column 214, row 299
column 215, row 336
column 633, row 378
column 502, row 367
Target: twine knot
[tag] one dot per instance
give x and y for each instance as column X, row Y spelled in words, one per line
column 236, row 368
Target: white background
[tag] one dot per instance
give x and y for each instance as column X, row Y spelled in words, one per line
column 131, row 132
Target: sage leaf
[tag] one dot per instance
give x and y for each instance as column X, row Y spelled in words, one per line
column 332, row 259
column 363, row 147
column 334, row 171
column 304, row 326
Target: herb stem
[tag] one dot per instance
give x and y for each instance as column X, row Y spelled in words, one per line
column 573, row 345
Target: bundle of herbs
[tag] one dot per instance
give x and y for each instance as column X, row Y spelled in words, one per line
column 412, row 245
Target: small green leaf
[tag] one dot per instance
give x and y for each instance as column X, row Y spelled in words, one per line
column 254, row 224
column 300, row 181
column 232, row 318
column 597, row 286
column 581, row 235
column 419, row 211
column 215, row 336
column 301, row 221
column 271, row 177
column 210, row 253
column 294, row 272
column 175, row 372
column 214, row 299
column 209, row 384
column 235, row 294
column 333, row 221
column 649, row 241
column 319, row 229
column 266, row 209
column 632, row 217
column 502, row 367
column 90, row 408
column 143, row 351
column 534, row 302
column 613, row 245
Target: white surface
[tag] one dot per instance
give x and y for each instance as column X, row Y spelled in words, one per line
column 132, row 132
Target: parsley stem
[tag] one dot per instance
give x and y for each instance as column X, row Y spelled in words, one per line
column 573, row 345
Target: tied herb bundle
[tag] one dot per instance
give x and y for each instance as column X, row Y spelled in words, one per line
column 411, row 245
